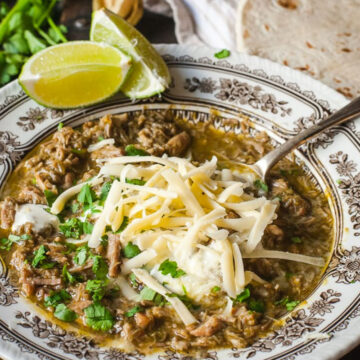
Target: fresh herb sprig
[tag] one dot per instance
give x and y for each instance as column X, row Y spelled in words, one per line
column 25, row 29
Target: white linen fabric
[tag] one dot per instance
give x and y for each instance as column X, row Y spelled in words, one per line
column 211, row 22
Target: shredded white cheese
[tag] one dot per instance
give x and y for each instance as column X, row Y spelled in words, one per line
column 100, row 144
column 181, row 212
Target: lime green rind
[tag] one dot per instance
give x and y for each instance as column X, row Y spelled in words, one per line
column 117, row 32
column 25, row 71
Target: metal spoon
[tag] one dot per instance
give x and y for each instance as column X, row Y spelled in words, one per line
column 348, row 112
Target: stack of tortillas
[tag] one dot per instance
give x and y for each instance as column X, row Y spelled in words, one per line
column 321, row 38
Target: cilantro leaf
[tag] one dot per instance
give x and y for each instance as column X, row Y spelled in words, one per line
column 131, row 150
column 39, row 256
column 81, row 255
column 72, row 228
column 215, row 289
column 88, row 227
column 105, row 191
column 100, row 267
column 99, row 317
column 261, row 185
column 86, row 195
column 147, row 294
column 56, row 298
column 34, row 42
column 60, row 126
column 6, row 243
column 289, row 304
column 135, row 181
column 222, row 54
column 131, row 250
column 67, row 276
column 96, row 288
column 256, row 305
column 296, row 240
column 62, row 312
column 123, row 225
column 50, row 196
column 243, row 296
column 170, row 267
column 133, row 311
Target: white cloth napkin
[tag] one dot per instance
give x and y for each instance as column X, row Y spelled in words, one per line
column 211, row 22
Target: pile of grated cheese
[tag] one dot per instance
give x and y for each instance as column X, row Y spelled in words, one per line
column 181, row 213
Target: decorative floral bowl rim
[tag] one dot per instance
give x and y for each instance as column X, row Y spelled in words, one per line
column 277, row 100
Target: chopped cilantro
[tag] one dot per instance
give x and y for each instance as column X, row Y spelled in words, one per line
column 86, row 195
column 60, row 126
column 131, row 250
column 6, row 243
column 256, row 305
column 131, row 150
column 50, row 196
column 133, row 281
column 96, row 288
column 62, row 312
column 243, row 296
column 101, row 138
column 123, row 225
column 100, row 267
column 67, row 276
column 78, row 152
column 74, row 207
column 288, row 275
column 215, row 289
column 72, row 228
column 39, row 256
column 81, row 255
column 105, row 191
column 296, row 240
column 252, row 304
column 289, row 304
column 56, row 298
column 133, row 311
column 171, row 267
column 339, row 181
column 98, row 317
column 135, row 181
column 147, row 294
column 87, row 227
column 222, row 54
column 261, row 185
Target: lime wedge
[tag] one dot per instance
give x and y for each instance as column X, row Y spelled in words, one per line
column 149, row 75
column 74, row 74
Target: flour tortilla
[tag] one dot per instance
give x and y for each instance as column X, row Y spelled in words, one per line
column 321, row 38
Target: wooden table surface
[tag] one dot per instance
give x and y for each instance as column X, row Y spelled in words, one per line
column 76, row 15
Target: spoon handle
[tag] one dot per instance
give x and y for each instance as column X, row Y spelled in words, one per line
column 348, row 112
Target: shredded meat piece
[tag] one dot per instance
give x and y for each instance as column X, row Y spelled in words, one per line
column 8, row 211
column 108, row 151
column 79, row 306
column 113, row 254
column 53, row 281
column 143, row 320
column 56, row 253
column 81, row 299
column 209, row 327
column 32, row 194
column 178, row 144
column 290, row 200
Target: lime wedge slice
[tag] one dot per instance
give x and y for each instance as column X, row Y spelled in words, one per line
column 149, row 75
column 74, row 74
